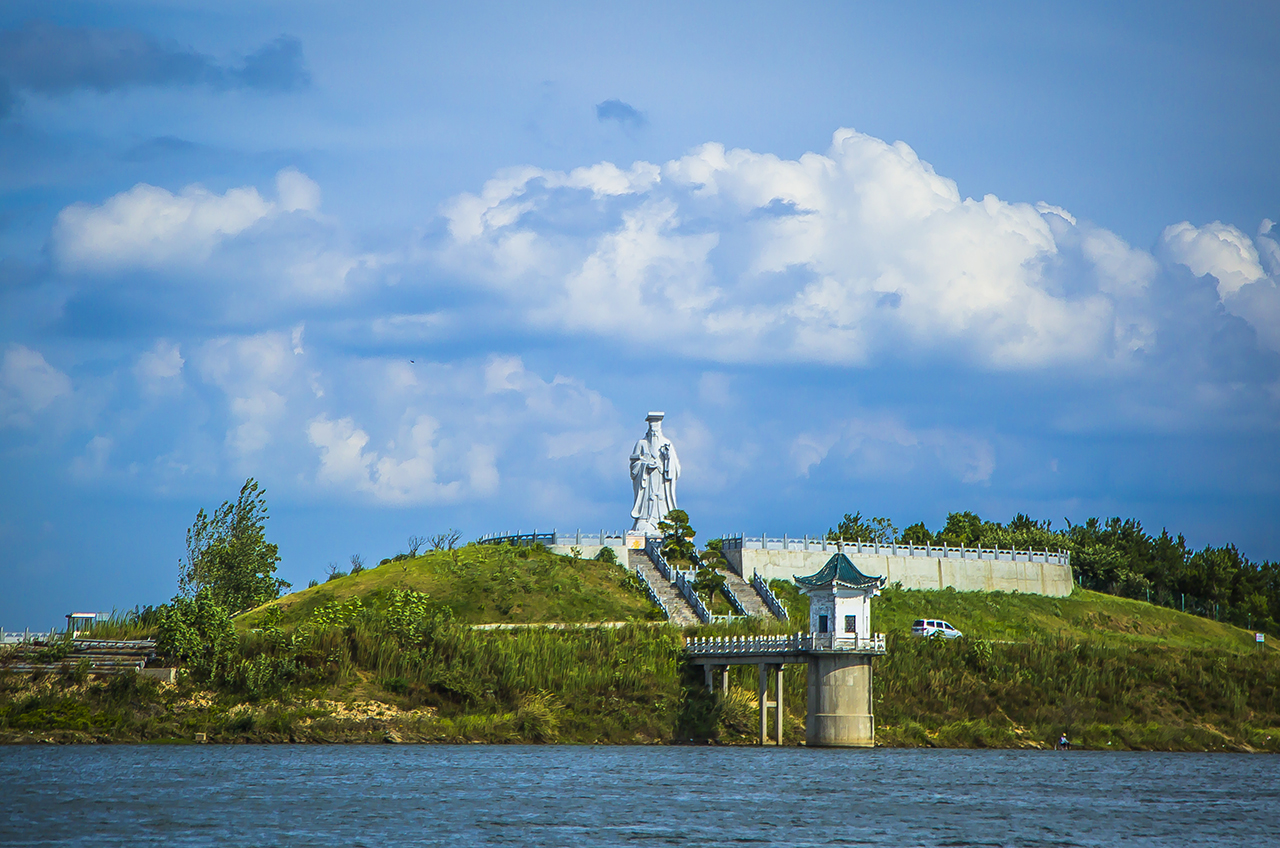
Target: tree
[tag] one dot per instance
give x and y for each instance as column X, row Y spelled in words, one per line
column 677, row 537
column 854, row 528
column 229, row 556
column 709, row 578
column 851, row 528
column 963, row 529
column 197, row 631
column 445, row 541
column 917, row 534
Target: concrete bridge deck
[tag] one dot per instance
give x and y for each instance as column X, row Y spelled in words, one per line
column 746, row 650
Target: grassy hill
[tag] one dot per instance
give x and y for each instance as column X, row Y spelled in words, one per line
column 1012, row 617
column 1110, row 672
column 483, row 584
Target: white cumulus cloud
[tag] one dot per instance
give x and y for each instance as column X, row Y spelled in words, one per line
column 160, row 369
column 1236, row 262
column 876, row 446
column 844, row 257
column 148, row 226
column 28, row 384
column 408, row 476
column 258, row 374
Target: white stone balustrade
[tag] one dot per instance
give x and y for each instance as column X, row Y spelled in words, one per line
column 791, row 643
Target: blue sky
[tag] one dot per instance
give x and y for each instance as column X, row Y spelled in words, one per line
column 896, row 258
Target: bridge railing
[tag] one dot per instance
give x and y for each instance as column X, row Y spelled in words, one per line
column 905, row 549
column 653, row 548
column 785, row 644
column 770, row 600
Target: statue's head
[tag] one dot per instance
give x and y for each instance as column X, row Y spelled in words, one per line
column 655, row 422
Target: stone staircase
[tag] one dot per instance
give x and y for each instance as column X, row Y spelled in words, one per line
column 746, row 594
column 681, row 613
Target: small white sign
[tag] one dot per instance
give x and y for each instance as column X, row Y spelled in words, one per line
column 1259, row 637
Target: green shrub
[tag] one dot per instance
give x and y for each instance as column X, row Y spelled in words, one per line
column 198, row 633
column 538, row 717
column 264, row 676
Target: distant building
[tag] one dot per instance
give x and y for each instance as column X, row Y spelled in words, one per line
column 77, row 621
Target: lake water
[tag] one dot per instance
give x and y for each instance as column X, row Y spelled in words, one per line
column 653, row 796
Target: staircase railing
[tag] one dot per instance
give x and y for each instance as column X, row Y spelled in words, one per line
column 733, row 599
column 652, row 593
column 770, row 600
column 653, row 548
column 686, row 588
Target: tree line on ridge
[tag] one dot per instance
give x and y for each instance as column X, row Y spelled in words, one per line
column 1114, row 556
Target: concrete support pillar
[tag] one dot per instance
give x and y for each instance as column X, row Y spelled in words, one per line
column 713, row 673
column 762, row 695
column 777, row 686
column 840, row 702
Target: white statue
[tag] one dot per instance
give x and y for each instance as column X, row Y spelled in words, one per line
column 654, row 471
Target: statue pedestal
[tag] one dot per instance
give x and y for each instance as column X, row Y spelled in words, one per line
column 635, row 541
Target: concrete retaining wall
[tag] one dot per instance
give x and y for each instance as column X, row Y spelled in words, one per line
column 914, row 572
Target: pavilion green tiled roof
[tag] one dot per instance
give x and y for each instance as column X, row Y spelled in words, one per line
column 842, row 572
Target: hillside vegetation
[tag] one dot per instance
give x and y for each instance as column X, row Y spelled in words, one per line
column 1110, row 672
column 1013, row 617
column 1114, row 556
column 479, row 584
column 391, row 654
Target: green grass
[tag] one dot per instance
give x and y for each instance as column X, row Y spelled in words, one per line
column 1085, row 615
column 1014, row 617
column 484, row 584
column 1112, row 673
column 1105, row 694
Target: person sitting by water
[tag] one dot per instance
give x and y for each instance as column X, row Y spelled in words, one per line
column 1063, row 744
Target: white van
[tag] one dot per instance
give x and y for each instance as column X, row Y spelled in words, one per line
column 935, row 627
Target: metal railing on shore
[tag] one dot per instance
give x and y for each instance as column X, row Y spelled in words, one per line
column 791, row 643
column 12, row 638
column 806, row 543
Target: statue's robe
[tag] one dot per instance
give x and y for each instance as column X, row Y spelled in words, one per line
column 654, row 471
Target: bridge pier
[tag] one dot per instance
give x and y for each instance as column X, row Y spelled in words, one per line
column 840, row 711
column 839, row 678
column 763, row 697
column 710, row 673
